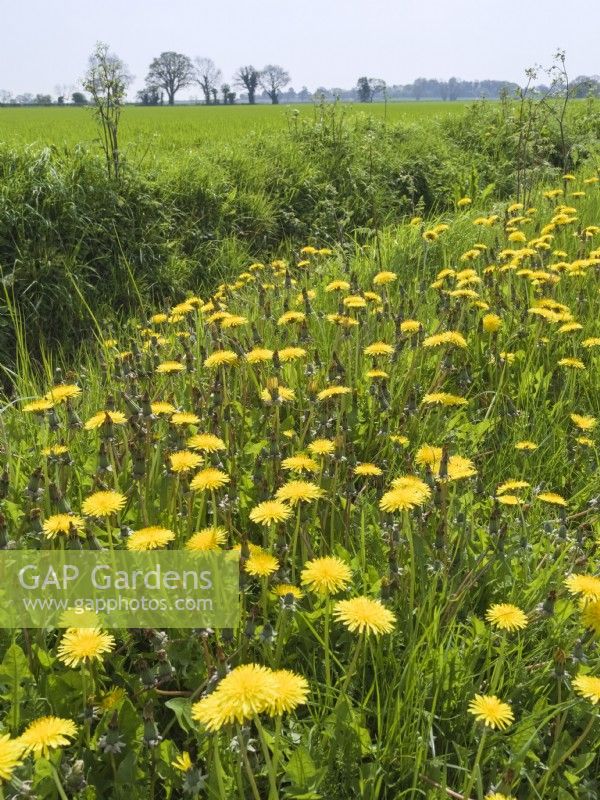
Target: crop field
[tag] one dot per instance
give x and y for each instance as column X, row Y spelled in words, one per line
column 168, row 129
column 354, row 354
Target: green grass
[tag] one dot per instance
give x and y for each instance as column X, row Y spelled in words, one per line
column 389, row 719
column 165, row 130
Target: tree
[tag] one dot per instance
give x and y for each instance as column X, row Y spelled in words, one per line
column 368, row 88
column 171, row 72
column 207, row 77
column 107, row 79
column 42, row 100
column 273, row 79
column 79, row 99
column 225, row 90
column 150, row 96
column 247, row 77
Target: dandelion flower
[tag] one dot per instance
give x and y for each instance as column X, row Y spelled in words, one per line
column 506, row 617
column 364, row 615
column 552, row 498
column 291, row 690
column 526, row 445
column 151, row 538
column 383, row 278
column 588, row 586
column 62, row 523
column 38, row 406
column 509, row 486
column 62, row 392
column 449, row 337
column 367, row 470
column 284, row 589
column 379, row 349
column 326, row 575
column 184, row 418
column 291, row 354
column 248, row 690
column 591, row 616
column 209, row 479
column 207, row 539
column 161, row 408
column 220, row 358
column 206, row 442
column 183, row 762
column 261, row 564
column 321, row 447
column 491, row 711
column 184, row 461
column 103, row 504
column 586, row 423
column 300, row 463
column 333, row 391
column 299, row 491
column 102, row 417
column 588, row 686
column 47, row 733
column 270, row 511
column 11, row 751
column 79, row 645
column 169, row 367
column 444, row 399
column 491, row 323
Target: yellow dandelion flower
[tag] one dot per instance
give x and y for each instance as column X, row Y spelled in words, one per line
column 261, row 564
column 209, row 479
column 206, row 443
column 220, row 358
column 247, row 691
column 509, row 486
column 364, row 615
column 327, row 575
column 590, row 616
column 152, row 538
column 38, row 406
column 291, row 354
column 103, row 417
column 162, row 408
column 184, row 418
column 367, row 470
column 47, row 733
column 444, row 399
column 184, row 461
column 586, row 586
column 103, row 504
column 506, row 617
column 573, row 363
column 284, row 589
column 321, row 447
column 333, row 391
column 448, row 337
column 299, row 491
column 379, row 349
column 526, row 445
column 300, row 463
column 82, row 645
column 11, row 751
column 207, row 539
column 588, row 686
column 169, row 367
column 384, row 277
column 62, row 523
column 552, row 498
column 491, row 711
column 291, row 691
column 269, row 512
column 258, row 354
column 410, row 326
column 62, row 392
column 491, row 323
column 583, row 422
column 183, row 762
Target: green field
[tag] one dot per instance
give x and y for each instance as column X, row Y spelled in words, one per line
column 166, row 129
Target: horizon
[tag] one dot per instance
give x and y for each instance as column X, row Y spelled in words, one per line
column 395, row 41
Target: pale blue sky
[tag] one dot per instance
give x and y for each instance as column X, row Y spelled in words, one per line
column 321, row 42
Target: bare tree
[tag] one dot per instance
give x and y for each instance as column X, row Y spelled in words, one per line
column 273, row 79
column 107, row 79
column 208, row 76
column 248, row 78
column 171, row 72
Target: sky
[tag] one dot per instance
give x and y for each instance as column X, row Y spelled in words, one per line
column 45, row 45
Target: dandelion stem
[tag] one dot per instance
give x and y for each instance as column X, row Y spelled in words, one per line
column 475, row 771
column 58, row 782
column 246, row 763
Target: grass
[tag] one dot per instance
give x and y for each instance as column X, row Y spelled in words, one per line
column 386, row 716
column 167, row 130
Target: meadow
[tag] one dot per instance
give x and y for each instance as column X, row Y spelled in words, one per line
column 165, row 130
column 388, row 406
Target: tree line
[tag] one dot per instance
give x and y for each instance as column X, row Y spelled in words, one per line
column 170, row 72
